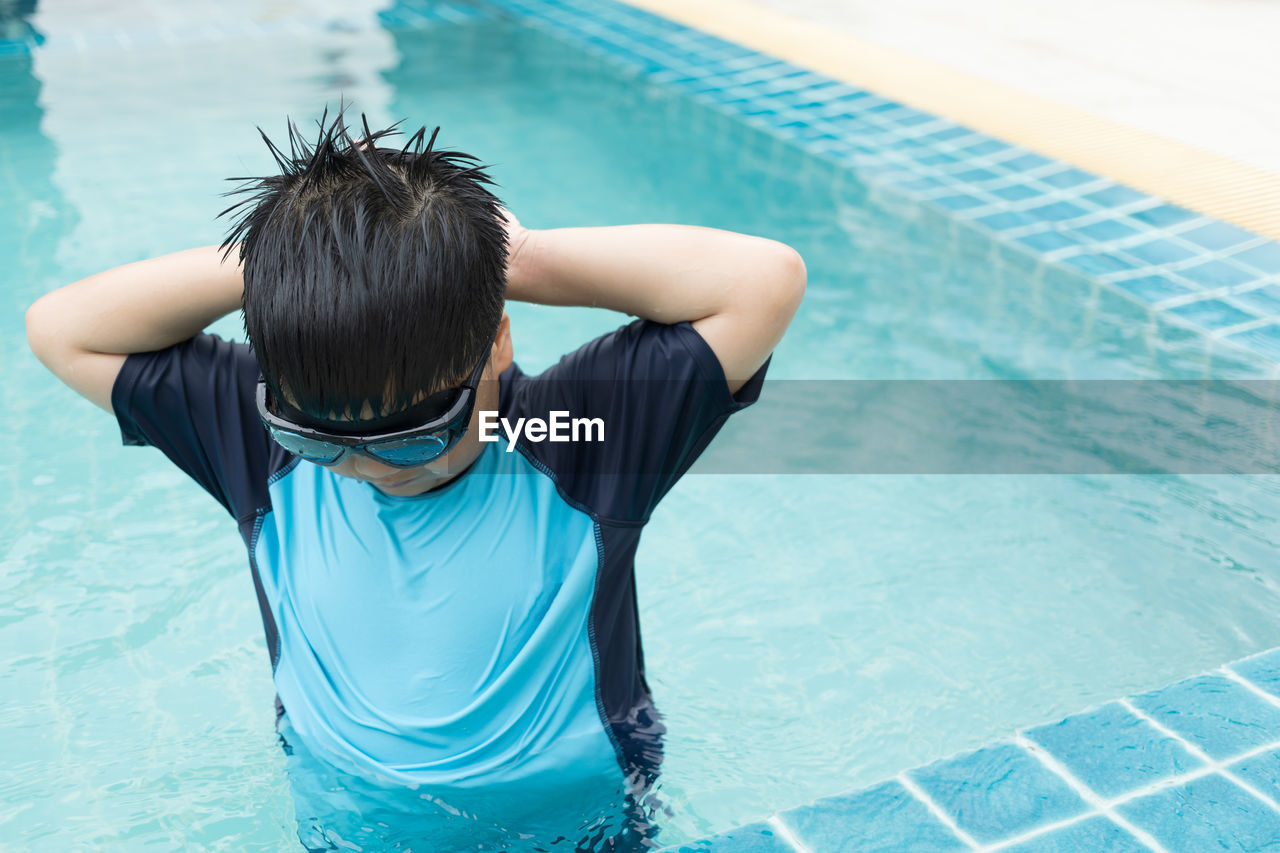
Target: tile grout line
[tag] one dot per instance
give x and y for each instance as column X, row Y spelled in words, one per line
column 1246, row 683
column 787, row 835
column 1260, row 654
column 1214, row 765
column 1042, row 829
column 918, row 792
column 1244, row 326
column 1086, row 793
column 1190, row 776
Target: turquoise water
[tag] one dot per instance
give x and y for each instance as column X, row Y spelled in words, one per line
column 803, row 635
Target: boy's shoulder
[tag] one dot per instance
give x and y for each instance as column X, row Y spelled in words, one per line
column 194, row 401
column 648, row 398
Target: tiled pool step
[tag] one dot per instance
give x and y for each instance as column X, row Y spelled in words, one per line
column 1189, row 767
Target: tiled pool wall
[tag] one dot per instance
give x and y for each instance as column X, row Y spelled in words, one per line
column 1192, row 271
column 1194, row 766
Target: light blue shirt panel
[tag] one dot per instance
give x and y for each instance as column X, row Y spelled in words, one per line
column 441, row 639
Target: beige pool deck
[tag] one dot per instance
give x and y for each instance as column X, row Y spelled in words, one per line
column 1177, row 98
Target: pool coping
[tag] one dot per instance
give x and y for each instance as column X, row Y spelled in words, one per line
column 1208, row 183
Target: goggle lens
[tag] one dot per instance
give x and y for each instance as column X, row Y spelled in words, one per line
column 409, row 451
column 311, row 449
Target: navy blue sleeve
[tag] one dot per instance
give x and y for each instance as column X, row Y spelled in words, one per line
column 662, row 396
column 194, row 401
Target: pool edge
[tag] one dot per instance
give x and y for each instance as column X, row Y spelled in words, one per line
column 1210, row 732
column 1208, row 183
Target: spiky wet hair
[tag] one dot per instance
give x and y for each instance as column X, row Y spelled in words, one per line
column 369, row 273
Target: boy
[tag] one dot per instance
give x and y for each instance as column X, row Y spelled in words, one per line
column 446, row 613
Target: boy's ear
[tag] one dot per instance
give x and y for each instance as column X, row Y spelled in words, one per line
column 502, row 356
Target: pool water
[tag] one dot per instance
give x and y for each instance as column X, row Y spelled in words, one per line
column 803, row 634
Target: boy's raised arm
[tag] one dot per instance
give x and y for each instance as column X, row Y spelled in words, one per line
column 83, row 332
column 738, row 292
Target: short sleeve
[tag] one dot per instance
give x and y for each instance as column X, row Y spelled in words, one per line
column 194, row 402
column 661, row 396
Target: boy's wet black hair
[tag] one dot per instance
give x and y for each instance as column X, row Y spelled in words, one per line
column 369, row 273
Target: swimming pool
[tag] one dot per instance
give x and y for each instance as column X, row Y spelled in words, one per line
column 803, row 634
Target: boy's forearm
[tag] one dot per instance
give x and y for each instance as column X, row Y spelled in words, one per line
column 666, row 273
column 141, row 306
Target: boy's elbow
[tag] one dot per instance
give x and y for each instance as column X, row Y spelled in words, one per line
column 41, row 328
column 788, row 281
column 47, row 332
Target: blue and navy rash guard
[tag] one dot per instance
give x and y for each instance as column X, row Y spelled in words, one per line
column 481, row 634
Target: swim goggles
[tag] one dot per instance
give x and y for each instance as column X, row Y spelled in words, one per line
column 446, row 414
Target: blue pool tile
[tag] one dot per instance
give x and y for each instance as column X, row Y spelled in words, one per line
column 985, row 147
column 1005, row 220
column 1206, row 814
column 1048, row 241
column 1153, row 288
column 1214, row 713
column 1107, row 229
column 1212, row 314
column 1017, row 192
column 1218, row 274
column 1262, row 772
column 998, row 792
column 1264, row 340
column 841, row 106
column 1263, row 671
column 1217, row 236
column 882, row 819
column 1067, row 178
column 1025, row 162
column 877, row 104
column 901, row 144
column 921, row 184
column 911, row 118
column 937, row 159
column 832, row 90
column 959, row 202
column 1057, row 211
column 752, row 838
column 972, row 176
column 948, row 133
column 1094, row 834
column 1115, row 196
column 1265, row 299
column 1160, row 252
column 1099, row 263
column 1113, row 752
column 1265, row 258
column 1163, row 215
